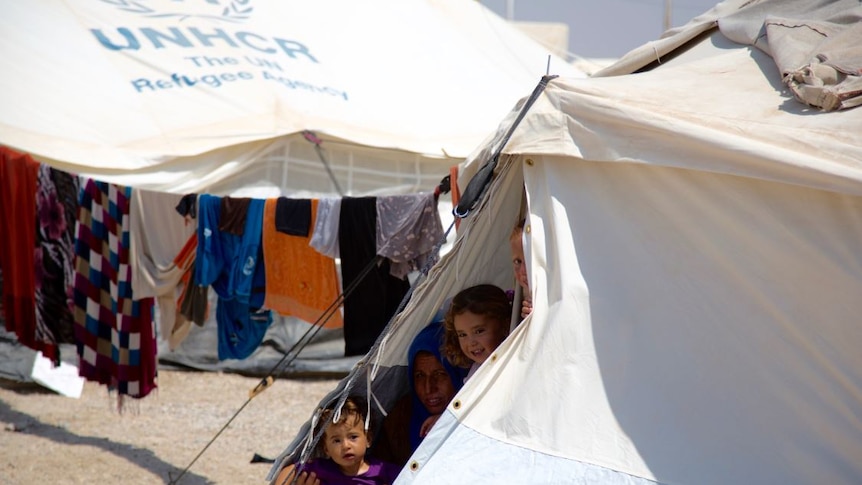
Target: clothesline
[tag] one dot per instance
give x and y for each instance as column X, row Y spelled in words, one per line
column 119, row 250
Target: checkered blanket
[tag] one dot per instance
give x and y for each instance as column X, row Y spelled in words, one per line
column 115, row 334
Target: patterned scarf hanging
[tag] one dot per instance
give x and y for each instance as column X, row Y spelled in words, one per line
column 115, row 334
column 56, row 208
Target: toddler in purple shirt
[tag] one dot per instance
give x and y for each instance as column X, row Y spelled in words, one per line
column 343, row 446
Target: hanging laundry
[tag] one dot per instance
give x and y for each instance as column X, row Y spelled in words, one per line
column 324, row 237
column 192, row 304
column 293, row 216
column 240, row 328
column 157, row 235
column 211, row 254
column 248, row 275
column 18, row 175
column 300, row 281
column 188, row 207
column 57, row 209
column 233, row 215
column 376, row 297
column 114, row 332
column 408, row 229
column 233, row 266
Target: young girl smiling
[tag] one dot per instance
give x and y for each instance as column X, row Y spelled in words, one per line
column 476, row 323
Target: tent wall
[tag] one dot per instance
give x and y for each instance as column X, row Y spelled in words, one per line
column 687, row 328
column 694, row 263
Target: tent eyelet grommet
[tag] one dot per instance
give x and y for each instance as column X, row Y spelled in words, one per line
column 414, row 465
column 527, row 229
column 494, row 358
column 456, row 404
column 530, row 162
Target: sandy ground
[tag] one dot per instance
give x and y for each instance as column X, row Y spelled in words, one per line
column 49, row 438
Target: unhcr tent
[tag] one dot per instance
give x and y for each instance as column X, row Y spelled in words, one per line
column 693, row 248
column 259, row 98
column 210, row 96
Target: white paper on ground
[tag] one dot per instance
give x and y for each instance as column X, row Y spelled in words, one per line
column 63, row 379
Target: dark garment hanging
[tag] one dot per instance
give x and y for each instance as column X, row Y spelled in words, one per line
column 375, row 299
column 188, row 206
column 56, row 213
column 293, row 216
column 233, row 214
column 193, row 303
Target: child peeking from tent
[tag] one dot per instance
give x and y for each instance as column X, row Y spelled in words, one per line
column 516, row 242
column 342, row 449
column 476, row 323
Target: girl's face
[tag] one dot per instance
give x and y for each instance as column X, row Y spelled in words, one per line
column 478, row 335
column 346, row 444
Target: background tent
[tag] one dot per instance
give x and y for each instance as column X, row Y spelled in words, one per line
column 191, row 96
column 260, row 98
column 693, row 250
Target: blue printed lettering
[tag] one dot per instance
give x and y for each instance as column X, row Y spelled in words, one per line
column 257, row 61
column 205, row 61
column 131, row 41
column 205, row 38
column 183, row 81
column 194, row 37
column 243, row 37
column 294, row 84
column 291, row 46
column 140, row 84
column 180, row 80
column 156, row 37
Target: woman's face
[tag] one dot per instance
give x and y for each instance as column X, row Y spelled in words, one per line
column 432, row 383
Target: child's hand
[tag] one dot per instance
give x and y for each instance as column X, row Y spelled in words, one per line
column 526, row 308
column 306, row 478
column 285, row 477
column 426, row 426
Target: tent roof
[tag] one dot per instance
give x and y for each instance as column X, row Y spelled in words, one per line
column 709, row 104
column 157, row 89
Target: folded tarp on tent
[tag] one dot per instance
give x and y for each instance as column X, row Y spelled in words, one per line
column 693, row 250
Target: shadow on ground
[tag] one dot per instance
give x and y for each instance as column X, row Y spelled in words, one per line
column 140, row 457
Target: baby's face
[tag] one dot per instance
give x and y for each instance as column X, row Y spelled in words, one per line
column 478, row 335
column 346, row 443
column 518, row 264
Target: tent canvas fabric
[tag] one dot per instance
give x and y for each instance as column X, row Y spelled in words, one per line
column 191, row 96
column 693, row 242
column 260, row 98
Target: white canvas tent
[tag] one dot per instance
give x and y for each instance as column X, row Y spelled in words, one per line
column 693, row 249
column 225, row 96
column 210, row 96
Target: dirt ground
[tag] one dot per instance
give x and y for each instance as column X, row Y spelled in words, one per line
column 49, row 438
